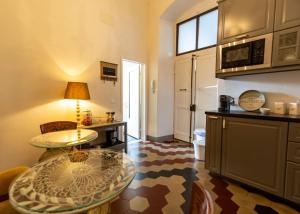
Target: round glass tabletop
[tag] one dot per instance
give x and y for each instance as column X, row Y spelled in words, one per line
column 64, row 185
column 62, row 139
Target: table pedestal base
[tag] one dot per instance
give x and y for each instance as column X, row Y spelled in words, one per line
column 103, row 209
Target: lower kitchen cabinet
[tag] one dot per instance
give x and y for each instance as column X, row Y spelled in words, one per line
column 213, row 143
column 254, row 153
column 292, row 185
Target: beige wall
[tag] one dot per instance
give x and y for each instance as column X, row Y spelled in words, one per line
column 44, row 44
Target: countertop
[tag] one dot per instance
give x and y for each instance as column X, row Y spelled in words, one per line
column 256, row 115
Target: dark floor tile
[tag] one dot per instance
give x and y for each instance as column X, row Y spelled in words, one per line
column 260, row 209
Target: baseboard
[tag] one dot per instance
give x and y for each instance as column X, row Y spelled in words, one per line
column 160, row 139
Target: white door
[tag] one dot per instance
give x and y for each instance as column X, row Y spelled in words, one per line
column 206, row 86
column 131, row 97
column 183, row 68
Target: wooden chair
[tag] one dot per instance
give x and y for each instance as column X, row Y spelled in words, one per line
column 6, row 177
column 54, row 127
column 57, row 126
column 201, row 202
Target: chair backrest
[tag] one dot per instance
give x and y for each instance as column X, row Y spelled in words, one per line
column 201, row 202
column 57, row 126
column 7, row 176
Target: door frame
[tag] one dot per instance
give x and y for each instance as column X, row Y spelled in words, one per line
column 143, row 100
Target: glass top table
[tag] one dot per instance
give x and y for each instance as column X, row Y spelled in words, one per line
column 62, row 139
column 59, row 185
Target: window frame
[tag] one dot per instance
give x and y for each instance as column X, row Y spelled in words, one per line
column 197, row 17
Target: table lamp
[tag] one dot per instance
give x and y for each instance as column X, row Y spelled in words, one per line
column 77, row 91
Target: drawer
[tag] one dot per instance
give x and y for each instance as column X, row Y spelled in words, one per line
column 292, row 187
column 293, row 153
column 294, row 132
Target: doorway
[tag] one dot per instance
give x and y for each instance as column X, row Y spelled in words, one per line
column 133, row 91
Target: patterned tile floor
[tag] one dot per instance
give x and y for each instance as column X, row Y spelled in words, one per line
column 163, row 185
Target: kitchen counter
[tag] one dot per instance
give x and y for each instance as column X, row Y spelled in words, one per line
column 256, row 115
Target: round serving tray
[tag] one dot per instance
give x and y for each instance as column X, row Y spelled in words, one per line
column 251, row 100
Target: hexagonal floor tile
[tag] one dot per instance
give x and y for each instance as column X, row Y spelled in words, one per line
column 139, row 204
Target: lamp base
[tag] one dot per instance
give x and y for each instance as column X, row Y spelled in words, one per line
column 78, row 156
column 78, row 119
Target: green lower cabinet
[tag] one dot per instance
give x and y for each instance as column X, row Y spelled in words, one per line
column 213, row 143
column 292, row 185
column 254, row 153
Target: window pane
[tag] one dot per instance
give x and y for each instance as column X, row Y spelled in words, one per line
column 187, row 36
column 208, row 26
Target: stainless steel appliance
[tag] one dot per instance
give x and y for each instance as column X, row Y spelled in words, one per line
column 245, row 54
column 225, row 102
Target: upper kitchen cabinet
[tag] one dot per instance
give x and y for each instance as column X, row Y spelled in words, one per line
column 286, row 49
column 287, row 14
column 239, row 19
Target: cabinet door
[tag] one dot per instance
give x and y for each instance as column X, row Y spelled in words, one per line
column 287, row 14
column 294, row 132
column 292, row 186
column 243, row 18
column 213, row 143
column 286, row 50
column 293, row 153
column 254, row 152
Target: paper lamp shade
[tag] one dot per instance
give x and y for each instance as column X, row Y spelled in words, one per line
column 77, row 91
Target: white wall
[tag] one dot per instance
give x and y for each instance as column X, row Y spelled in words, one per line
column 155, row 10
column 276, row 86
column 165, row 103
column 283, row 86
column 206, row 83
column 44, row 44
column 163, row 100
column 201, row 7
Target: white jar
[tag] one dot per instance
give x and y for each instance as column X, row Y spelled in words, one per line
column 279, row 108
column 294, row 109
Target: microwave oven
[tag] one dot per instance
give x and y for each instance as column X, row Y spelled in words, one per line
column 246, row 54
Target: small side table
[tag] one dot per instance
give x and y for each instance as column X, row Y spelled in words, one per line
column 62, row 141
column 116, row 124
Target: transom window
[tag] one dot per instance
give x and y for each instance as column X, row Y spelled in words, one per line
column 197, row 33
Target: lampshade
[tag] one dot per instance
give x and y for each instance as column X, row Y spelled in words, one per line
column 77, row 91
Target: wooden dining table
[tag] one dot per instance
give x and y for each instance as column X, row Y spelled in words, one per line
column 66, row 185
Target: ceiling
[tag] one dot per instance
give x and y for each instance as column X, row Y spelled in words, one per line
column 177, row 8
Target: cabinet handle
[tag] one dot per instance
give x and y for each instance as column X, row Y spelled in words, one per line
column 183, row 89
column 242, row 36
column 213, row 117
column 224, row 124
